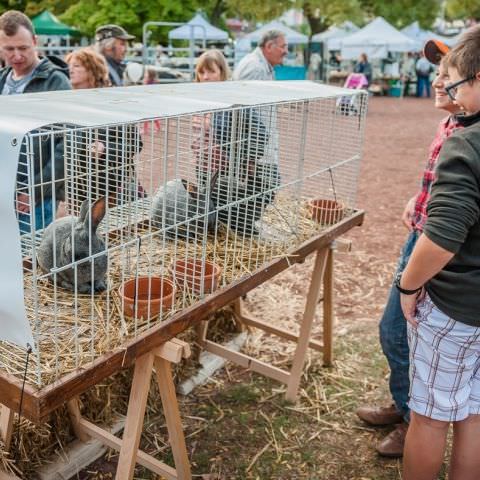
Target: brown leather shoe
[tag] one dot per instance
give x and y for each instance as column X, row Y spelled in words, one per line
column 392, row 445
column 380, row 415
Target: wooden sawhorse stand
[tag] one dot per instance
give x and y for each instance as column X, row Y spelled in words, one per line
column 159, row 359
column 6, row 431
column 322, row 273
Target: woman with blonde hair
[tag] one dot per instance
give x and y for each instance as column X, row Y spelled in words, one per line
column 240, row 176
column 88, row 69
column 212, row 67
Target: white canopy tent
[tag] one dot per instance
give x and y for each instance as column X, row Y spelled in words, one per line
column 332, row 37
column 349, row 26
column 243, row 47
column 200, row 29
column 376, row 39
column 455, row 38
column 293, row 37
column 420, row 36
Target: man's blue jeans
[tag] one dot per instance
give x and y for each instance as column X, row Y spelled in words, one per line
column 423, row 83
column 44, row 216
column 393, row 337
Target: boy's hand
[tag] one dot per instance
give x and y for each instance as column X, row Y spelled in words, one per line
column 409, row 306
column 23, row 203
column 408, row 212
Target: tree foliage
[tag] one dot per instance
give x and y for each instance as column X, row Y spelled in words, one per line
column 32, row 7
column 401, row 13
column 463, row 9
column 86, row 15
column 320, row 14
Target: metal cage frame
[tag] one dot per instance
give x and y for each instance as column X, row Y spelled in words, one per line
column 135, row 105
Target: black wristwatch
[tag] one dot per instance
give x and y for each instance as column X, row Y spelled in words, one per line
column 398, row 278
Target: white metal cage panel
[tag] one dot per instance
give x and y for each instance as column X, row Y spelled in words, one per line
column 235, row 186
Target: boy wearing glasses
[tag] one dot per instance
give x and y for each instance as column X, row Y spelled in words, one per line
column 393, row 328
column 440, row 295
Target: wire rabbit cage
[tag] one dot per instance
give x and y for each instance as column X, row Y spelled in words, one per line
column 138, row 210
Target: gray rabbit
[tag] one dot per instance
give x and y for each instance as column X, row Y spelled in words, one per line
column 71, row 238
column 184, row 209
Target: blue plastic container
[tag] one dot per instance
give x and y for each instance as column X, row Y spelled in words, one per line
column 283, row 72
column 395, row 91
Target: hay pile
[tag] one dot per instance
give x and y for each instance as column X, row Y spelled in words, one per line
column 109, row 329
column 102, row 404
column 74, row 331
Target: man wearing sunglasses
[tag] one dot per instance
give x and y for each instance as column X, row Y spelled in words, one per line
column 393, row 329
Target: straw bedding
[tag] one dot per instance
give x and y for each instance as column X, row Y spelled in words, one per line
column 73, row 331
column 36, row 444
column 102, row 403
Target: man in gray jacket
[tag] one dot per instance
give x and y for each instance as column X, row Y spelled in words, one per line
column 26, row 72
column 263, row 180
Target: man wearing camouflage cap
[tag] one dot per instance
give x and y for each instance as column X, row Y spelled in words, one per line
column 112, row 41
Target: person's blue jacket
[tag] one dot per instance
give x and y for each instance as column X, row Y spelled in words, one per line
column 366, row 69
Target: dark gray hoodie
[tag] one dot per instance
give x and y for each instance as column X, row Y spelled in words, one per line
column 49, row 76
column 47, row 155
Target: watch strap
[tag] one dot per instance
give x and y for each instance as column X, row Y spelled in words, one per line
column 405, row 291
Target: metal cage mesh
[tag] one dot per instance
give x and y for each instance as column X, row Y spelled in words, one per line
column 234, row 188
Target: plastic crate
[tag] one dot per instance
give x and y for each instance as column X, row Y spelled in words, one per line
column 395, row 91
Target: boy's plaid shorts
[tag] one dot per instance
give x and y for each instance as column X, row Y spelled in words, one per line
column 444, row 365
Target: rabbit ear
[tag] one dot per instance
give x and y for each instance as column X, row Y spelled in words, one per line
column 191, row 188
column 213, row 180
column 83, row 211
column 97, row 212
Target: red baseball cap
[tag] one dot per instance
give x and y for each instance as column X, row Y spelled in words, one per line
column 434, row 50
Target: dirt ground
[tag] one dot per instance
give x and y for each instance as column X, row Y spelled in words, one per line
column 398, row 135
column 238, row 426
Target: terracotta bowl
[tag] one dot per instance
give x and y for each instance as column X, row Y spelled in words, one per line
column 189, row 272
column 147, row 295
column 326, row 212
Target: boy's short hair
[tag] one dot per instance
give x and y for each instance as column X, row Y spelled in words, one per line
column 465, row 55
column 12, row 20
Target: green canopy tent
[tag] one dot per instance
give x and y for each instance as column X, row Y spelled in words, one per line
column 46, row 23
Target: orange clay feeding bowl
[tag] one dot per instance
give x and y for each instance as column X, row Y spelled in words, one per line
column 201, row 276
column 146, row 297
column 326, row 212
